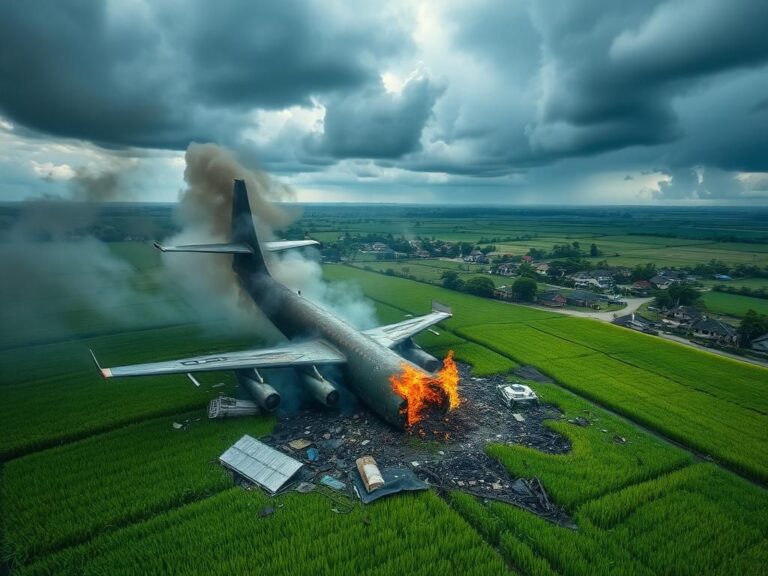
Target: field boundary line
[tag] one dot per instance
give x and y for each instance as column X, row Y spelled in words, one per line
column 15, row 454
column 650, row 371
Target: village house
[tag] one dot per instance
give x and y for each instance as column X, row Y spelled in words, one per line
column 503, row 293
column 507, row 269
column 641, row 288
column 379, row 247
column 422, row 254
column 662, row 282
column 582, row 298
column 551, row 299
column 635, row 322
column 542, row 268
column 715, row 331
column 760, row 344
column 682, row 316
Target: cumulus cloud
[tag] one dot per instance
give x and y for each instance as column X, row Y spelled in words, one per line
column 375, row 123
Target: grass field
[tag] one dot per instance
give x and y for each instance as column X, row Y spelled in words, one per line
column 706, row 402
column 733, row 304
column 95, row 480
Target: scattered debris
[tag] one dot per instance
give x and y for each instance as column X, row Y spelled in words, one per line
column 219, row 385
column 516, row 393
column 518, row 417
column 332, row 482
column 448, row 451
column 300, row 443
column 312, row 455
column 178, row 426
column 619, row 439
column 369, row 473
column 260, row 463
column 225, row 407
column 267, row 511
column 394, row 480
column 579, row 421
column 304, row 487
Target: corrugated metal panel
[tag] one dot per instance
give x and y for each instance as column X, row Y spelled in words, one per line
column 260, row 463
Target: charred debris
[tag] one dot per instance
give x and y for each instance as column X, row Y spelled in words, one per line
column 444, row 452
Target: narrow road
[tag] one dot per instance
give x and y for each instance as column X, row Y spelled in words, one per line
column 632, row 305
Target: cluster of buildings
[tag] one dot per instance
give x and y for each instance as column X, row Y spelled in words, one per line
column 686, row 320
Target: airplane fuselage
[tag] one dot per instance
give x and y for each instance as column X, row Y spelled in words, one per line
column 369, row 364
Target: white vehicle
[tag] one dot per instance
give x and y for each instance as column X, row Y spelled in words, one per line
column 516, row 393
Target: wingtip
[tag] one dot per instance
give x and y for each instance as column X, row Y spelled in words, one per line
column 158, row 246
column 438, row 307
column 105, row 372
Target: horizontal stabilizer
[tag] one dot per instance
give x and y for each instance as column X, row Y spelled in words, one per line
column 288, row 244
column 227, row 248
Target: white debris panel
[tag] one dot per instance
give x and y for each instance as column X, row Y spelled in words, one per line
column 260, row 463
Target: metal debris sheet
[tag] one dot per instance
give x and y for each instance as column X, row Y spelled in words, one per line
column 260, row 463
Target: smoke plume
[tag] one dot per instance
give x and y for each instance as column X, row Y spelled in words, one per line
column 205, row 212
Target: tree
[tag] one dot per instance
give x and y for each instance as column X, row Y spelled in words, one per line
column 480, row 286
column 643, row 272
column 677, row 295
column 752, row 326
column 595, row 251
column 524, row 289
column 451, row 280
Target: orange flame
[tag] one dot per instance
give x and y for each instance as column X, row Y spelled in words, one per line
column 420, row 389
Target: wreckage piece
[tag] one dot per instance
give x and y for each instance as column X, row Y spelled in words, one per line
column 516, row 393
column 332, row 482
column 260, row 463
column 395, row 480
column 369, row 473
column 225, row 407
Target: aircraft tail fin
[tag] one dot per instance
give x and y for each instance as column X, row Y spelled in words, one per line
column 243, row 233
column 244, row 245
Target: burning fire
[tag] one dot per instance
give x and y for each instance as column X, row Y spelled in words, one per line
column 421, row 389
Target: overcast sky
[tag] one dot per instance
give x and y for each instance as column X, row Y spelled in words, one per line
column 570, row 101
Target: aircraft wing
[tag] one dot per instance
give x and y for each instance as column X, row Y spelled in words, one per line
column 310, row 352
column 237, row 248
column 280, row 245
column 392, row 334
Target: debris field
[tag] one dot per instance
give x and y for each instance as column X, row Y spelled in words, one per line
column 446, row 451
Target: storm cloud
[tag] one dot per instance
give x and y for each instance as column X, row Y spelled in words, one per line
column 384, row 97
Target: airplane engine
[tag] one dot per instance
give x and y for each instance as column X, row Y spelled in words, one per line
column 265, row 396
column 321, row 389
column 416, row 355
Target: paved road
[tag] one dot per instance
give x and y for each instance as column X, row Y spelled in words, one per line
column 632, row 305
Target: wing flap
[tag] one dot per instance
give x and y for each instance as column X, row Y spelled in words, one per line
column 299, row 354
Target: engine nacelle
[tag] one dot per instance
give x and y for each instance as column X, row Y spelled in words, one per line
column 321, row 389
column 265, row 396
column 421, row 358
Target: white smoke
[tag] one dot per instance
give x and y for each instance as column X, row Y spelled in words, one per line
column 205, row 212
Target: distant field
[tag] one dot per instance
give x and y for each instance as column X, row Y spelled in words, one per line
column 95, row 480
column 659, row 383
column 733, row 304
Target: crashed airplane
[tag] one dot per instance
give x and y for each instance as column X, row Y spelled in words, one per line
column 375, row 362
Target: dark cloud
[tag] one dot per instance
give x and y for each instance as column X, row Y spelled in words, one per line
column 612, row 70
column 160, row 76
column 374, row 123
